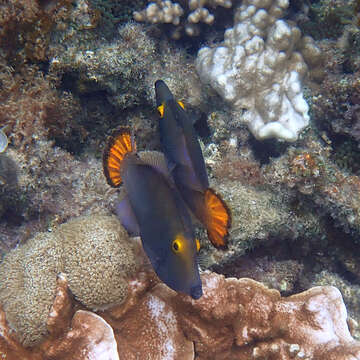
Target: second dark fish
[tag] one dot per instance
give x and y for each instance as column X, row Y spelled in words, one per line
column 186, row 163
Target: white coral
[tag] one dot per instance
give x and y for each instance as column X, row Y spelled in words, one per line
column 165, row 11
column 258, row 68
column 160, row 12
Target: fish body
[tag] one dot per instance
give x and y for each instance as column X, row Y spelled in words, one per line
column 186, row 162
column 160, row 214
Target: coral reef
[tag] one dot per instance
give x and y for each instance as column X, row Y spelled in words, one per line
column 90, row 337
column 93, row 252
column 98, row 259
column 32, row 109
column 310, row 171
column 52, row 187
column 28, row 283
column 350, row 292
column 26, row 26
column 258, row 214
column 282, row 275
column 336, row 105
column 70, row 73
column 263, row 312
column 87, row 336
column 113, row 67
column 259, row 68
column 57, row 113
column 235, row 319
column 185, row 16
column 328, row 18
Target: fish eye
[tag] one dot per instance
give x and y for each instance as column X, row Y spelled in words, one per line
column 176, row 246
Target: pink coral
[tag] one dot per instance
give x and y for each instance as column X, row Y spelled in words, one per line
column 258, row 323
column 235, row 319
column 90, row 337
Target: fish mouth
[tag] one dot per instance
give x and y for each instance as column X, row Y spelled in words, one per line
column 196, row 292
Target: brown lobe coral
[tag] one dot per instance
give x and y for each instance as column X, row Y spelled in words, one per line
column 95, row 254
column 27, row 285
column 98, row 260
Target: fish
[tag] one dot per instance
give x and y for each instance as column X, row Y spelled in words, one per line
column 187, row 166
column 153, row 209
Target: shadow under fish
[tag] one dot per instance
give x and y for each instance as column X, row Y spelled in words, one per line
column 186, row 163
column 153, row 209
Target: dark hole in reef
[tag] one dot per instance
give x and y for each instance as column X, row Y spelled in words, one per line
column 8, row 170
column 72, row 82
column 49, row 5
column 201, row 127
column 69, row 81
column 12, row 218
column 348, row 66
column 346, row 274
column 346, row 152
column 266, row 149
column 193, row 44
column 97, row 115
column 71, row 143
column 295, row 6
column 44, row 66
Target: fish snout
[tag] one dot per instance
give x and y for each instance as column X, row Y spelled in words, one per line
column 196, row 292
column 162, row 92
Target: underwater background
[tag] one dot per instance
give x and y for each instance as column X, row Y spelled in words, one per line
column 275, row 103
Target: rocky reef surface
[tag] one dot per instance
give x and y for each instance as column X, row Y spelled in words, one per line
column 71, row 71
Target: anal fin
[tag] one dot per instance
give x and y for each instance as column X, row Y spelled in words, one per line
column 218, row 219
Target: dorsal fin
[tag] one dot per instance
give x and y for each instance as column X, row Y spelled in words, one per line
column 119, row 143
column 157, row 160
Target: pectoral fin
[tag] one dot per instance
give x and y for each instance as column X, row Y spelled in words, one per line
column 127, row 217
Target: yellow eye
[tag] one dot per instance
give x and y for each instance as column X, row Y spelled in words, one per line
column 160, row 109
column 177, row 245
column 197, row 245
column 181, row 104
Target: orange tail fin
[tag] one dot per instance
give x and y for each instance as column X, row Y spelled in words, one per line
column 218, row 219
column 119, row 143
